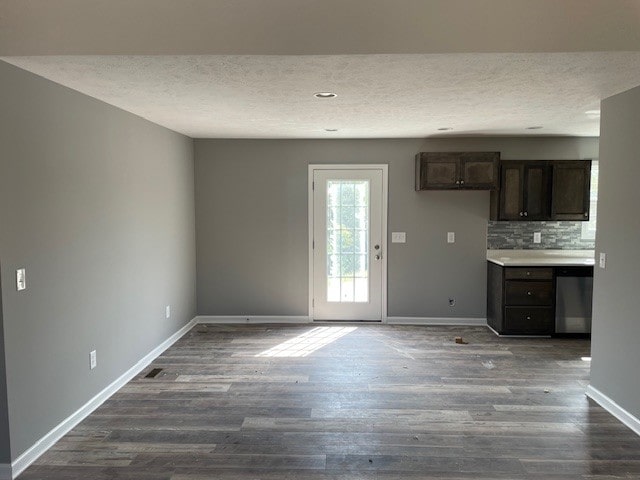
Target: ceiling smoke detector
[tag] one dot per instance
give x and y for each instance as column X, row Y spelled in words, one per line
column 325, row 95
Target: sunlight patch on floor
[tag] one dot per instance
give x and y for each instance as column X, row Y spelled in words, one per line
column 308, row 342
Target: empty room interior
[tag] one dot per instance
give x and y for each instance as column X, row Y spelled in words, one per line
column 337, row 239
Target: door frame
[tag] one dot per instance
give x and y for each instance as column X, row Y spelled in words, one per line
column 385, row 202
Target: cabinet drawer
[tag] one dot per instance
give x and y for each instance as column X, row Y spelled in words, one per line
column 521, row 292
column 523, row 273
column 529, row 320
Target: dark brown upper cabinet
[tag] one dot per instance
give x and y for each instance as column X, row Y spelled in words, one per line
column 542, row 190
column 457, row 170
column 570, row 191
column 524, row 192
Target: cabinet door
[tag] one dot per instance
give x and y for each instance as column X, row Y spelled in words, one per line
column 536, row 192
column 437, row 171
column 511, row 191
column 570, row 193
column 479, row 171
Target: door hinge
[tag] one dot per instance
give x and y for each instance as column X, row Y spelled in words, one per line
column 313, row 244
column 313, row 185
column 313, row 302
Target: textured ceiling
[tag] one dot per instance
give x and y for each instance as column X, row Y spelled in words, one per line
column 378, row 95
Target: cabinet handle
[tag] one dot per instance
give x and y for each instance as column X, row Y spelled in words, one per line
column 462, row 183
column 526, row 214
column 528, row 317
column 586, row 214
column 457, row 182
column 521, row 214
column 528, row 273
column 529, row 293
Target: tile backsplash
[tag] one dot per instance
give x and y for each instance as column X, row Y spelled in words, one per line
column 519, row 235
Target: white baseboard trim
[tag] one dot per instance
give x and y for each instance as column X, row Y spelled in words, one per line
column 614, row 409
column 248, row 319
column 516, row 336
column 455, row 321
column 5, row 471
column 47, row 441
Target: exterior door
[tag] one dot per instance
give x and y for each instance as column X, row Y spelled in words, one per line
column 348, row 255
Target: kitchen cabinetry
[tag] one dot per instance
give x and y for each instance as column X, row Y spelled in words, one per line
column 457, row 170
column 521, row 300
column 570, row 192
column 542, row 190
column 524, row 192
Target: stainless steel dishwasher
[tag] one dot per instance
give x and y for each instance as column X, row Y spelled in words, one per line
column 574, row 298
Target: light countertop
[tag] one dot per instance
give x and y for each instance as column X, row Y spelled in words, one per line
column 542, row 258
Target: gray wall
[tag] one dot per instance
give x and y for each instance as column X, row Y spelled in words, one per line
column 616, row 304
column 97, row 205
column 5, row 444
column 251, row 218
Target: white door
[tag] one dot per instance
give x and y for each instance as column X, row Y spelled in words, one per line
column 347, row 243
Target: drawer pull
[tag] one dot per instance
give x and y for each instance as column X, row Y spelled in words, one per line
column 528, row 273
column 528, row 317
column 529, row 293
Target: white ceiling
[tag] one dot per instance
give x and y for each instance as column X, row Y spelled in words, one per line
column 401, row 68
column 270, row 96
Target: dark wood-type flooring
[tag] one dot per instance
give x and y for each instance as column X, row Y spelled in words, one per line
column 380, row 402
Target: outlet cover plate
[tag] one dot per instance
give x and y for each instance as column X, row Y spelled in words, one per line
column 21, row 279
column 451, row 237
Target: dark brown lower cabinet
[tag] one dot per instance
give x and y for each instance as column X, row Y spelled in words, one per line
column 521, row 301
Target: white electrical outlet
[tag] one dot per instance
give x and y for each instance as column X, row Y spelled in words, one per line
column 451, row 237
column 167, row 311
column 537, row 237
column 603, row 260
column 21, row 279
column 398, row 237
column 93, row 359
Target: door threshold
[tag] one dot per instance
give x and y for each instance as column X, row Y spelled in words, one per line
column 347, row 321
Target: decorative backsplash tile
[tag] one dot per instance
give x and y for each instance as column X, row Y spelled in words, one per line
column 519, row 235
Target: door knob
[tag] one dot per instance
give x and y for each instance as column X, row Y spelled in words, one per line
column 377, row 257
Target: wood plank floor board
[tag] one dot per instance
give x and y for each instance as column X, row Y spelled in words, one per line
column 381, row 402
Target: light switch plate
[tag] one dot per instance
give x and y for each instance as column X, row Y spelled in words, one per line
column 603, row 260
column 398, row 237
column 21, row 279
column 451, row 237
column 537, row 237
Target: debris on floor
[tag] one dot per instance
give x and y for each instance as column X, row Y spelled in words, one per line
column 489, row 365
column 546, row 390
column 461, row 341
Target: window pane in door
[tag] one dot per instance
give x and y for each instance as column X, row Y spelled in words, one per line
column 347, row 241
